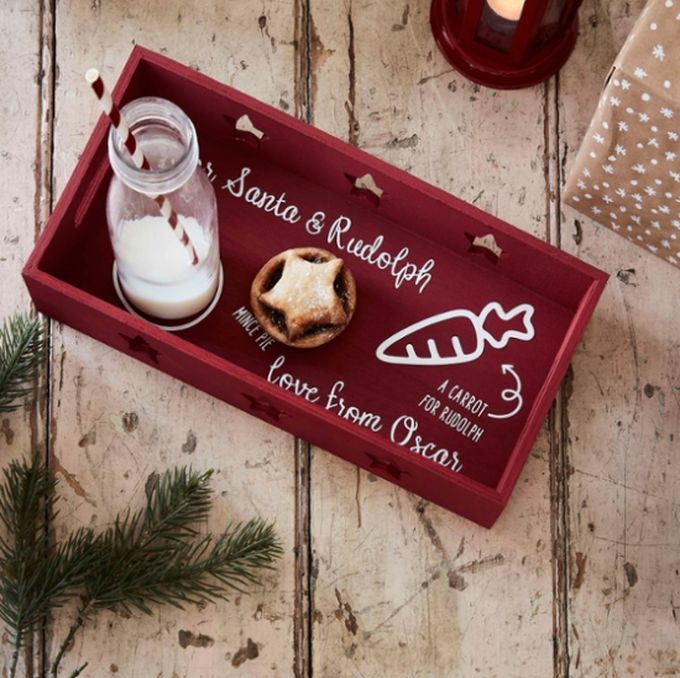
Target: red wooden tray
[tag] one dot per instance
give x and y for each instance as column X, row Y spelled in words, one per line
column 445, row 374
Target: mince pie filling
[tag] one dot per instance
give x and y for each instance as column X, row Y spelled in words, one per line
column 304, row 297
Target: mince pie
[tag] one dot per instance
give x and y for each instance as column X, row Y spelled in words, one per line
column 304, row 297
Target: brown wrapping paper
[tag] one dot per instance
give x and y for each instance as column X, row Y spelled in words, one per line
column 626, row 175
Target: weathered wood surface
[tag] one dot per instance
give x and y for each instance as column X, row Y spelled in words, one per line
column 621, row 424
column 25, row 130
column 580, row 575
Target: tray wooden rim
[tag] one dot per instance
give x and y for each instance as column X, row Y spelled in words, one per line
column 498, row 495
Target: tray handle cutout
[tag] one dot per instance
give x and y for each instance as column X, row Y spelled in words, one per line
column 365, row 185
column 485, row 245
column 91, row 192
column 386, row 466
column 264, row 406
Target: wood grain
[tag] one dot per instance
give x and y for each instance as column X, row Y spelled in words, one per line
column 25, row 132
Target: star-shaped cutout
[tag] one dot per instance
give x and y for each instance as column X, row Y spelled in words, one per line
column 264, row 406
column 386, row 466
column 305, row 295
column 138, row 345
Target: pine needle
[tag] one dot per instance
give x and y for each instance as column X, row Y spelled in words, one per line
column 22, row 347
column 35, row 579
column 150, row 556
column 154, row 556
column 195, row 573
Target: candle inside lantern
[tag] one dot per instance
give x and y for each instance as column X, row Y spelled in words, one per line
column 507, row 9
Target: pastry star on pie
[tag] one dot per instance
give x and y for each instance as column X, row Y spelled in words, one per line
column 304, row 297
column 305, row 294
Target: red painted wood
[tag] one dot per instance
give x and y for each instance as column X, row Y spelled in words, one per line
column 315, row 171
column 532, row 54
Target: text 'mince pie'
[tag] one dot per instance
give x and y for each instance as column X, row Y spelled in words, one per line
column 304, row 297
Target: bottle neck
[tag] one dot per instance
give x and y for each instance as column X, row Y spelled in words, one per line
column 167, row 138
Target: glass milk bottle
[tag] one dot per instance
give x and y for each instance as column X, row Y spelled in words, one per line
column 156, row 271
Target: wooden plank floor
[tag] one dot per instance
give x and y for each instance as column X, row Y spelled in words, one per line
column 579, row 577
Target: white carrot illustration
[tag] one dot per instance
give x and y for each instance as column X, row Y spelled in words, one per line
column 450, row 351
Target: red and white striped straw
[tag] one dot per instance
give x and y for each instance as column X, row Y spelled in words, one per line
column 120, row 125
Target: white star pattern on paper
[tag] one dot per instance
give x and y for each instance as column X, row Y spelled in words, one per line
column 643, row 146
column 658, row 52
column 322, row 304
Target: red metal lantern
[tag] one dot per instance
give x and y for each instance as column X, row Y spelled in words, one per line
column 505, row 44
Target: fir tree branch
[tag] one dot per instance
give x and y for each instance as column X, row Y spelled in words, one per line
column 34, row 580
column 22, row 347
column 175, row 502
column 73, row 629
column 196, row 573
column 138, row 542
column 16, row 647
column 153, row 556
column 79, row 670
column 150, row 556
